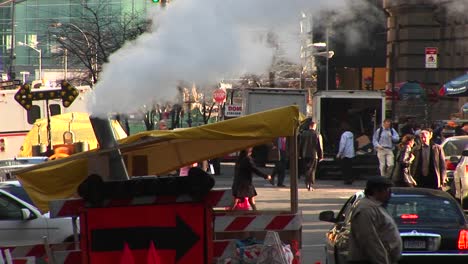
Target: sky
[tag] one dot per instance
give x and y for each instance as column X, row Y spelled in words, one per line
column 204, row 42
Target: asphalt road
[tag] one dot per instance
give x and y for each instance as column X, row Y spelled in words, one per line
column 328, row 195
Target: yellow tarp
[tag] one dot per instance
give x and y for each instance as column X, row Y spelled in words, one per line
column 164, row 151
column 78, row 123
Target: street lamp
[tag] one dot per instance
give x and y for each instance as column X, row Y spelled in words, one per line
column 40, row 56
column 58, row 24
column 94, row 65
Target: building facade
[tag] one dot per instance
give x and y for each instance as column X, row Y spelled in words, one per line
column 412, row 28
column 27, row 41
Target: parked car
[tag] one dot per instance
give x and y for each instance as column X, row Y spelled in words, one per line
column 432, row 225
column 22, row 224
column 15, row 188
column 461, row 180
column 453, row 147
column 7, row 167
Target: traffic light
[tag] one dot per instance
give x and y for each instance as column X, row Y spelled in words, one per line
column 161, row 2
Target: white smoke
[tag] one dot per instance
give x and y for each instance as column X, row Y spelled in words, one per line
column 202, row 42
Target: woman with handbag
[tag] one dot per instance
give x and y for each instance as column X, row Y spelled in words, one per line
column 242, row 185
column 401, row 175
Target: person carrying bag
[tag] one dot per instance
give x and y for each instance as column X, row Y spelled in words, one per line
column 401, row 175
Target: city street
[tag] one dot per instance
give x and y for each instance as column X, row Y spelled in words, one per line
column 328, row 195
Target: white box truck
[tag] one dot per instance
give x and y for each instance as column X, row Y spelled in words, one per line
column 363, row 111
column 260, row 99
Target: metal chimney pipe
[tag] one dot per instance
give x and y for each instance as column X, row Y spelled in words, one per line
column 106, row 139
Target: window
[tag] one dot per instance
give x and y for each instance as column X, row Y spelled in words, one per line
column 345, row 211
column 55, row 109
column 9, row 209
column 34, row 114
column 454, row 147
column 424, row 210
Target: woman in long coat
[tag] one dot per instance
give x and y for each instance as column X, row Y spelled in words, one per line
column 401, row 175
column 242, row 185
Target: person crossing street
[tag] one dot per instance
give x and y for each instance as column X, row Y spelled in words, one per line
column 311, row 153
column 384, row 140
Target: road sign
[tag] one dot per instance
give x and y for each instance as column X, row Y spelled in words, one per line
column 219, row 95
column 178, row 231
column 233, row 110
column 25, row 95
column 431, row 57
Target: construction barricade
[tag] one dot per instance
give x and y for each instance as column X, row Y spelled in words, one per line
column 220, row 228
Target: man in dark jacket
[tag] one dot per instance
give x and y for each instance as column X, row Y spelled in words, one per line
column 429, row 163
column 311, row 153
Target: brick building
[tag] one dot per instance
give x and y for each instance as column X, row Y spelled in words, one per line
column 412, row 26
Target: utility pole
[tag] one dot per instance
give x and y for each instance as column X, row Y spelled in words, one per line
column 11, row 69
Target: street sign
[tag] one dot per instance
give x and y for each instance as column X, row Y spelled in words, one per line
column 233, row 110
column 219, row 95
column 178, row 231
column 25, row 96
column 431, row 57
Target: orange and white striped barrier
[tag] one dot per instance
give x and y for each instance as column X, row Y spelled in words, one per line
column 258, row 222
column 223, row 249
column 71, row 207
column 67, row 257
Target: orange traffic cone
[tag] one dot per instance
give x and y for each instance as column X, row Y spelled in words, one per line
column 127, row 257
column 153, row 257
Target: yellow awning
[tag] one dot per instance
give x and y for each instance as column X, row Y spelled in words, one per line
column 161, row 151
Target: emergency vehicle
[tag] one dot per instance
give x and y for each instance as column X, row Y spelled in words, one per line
column 15, row 121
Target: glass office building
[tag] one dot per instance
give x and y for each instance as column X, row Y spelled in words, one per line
column 25, row 25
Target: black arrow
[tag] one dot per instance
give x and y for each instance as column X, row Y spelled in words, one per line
column 180, row 238
column 25, row 95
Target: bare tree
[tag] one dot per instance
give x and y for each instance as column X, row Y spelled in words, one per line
column 207, row 110
column 95, row 34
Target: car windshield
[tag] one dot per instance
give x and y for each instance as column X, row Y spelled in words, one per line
column 17, row 191
column 424, row 210
column 454, row 147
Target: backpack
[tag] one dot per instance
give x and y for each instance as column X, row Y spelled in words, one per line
column 380, row 133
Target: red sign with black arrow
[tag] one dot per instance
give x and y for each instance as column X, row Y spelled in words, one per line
column 181, row 233
column 180, row 238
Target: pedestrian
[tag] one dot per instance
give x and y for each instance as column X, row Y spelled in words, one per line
column 462, row 130
column 279, row 147
column 383, row 140
column 242, row 185
column 346, row 154
column 408, row 127
column 162, row 125
column 429, row 163
column 311, row 153
column 374, row 237
column 401, row 175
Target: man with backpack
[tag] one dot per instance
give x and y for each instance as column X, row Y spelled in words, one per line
column 383, row 140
